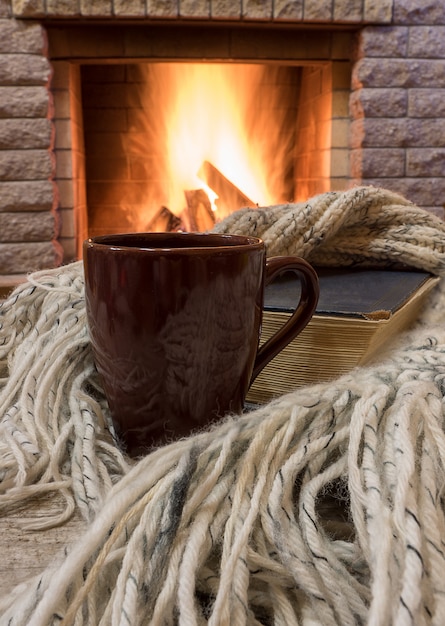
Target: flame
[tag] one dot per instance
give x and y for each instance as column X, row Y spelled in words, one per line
column 226, row 114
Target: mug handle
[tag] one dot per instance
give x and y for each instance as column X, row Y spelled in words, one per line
column 302, row 314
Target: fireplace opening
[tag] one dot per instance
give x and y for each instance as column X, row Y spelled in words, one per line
column 180, row 145
column 164, row 127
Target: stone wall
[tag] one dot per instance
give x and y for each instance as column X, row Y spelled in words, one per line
column 397, row 105
column 29, row 219
column 396, row 113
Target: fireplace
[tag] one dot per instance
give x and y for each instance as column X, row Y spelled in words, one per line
column 353, row 94
column 180, row 145
column 152, row 129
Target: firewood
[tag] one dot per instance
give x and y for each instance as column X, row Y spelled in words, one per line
column 230, row 198
column 199, row 210
column 164, row 221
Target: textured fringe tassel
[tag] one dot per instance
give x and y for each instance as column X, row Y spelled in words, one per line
column 323, row 507
column 53, row 429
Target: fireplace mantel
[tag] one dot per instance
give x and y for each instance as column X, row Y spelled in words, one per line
column 310, row 11
column 391, row 132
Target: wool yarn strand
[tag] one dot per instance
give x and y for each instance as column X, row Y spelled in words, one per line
column 322, row 507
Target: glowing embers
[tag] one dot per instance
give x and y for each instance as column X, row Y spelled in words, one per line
column 201, row 140
column 220, row 126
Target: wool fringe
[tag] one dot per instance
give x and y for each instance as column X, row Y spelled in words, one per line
column 53, row 429
column 324, row 506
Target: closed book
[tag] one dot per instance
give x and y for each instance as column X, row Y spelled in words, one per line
column 358, row 312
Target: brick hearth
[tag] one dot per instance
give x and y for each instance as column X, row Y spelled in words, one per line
column 388, row 131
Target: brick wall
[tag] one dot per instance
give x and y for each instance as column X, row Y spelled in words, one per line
column 28, row 193
column 397, row 104
column 396, row 111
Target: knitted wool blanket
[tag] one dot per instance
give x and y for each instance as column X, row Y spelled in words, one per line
column 324, row 506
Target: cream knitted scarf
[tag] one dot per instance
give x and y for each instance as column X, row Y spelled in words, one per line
column 358, row 227
column 324, row 506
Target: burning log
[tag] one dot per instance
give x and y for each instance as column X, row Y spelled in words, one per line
column 164, row 221
column 199, row 210
column 230, row 198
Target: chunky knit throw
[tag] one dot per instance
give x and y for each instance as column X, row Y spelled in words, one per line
column 363, row 226
column 324, row 506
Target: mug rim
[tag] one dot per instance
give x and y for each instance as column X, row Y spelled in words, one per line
column 232, row 241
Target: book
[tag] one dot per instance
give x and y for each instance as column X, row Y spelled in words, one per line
column 358, row 312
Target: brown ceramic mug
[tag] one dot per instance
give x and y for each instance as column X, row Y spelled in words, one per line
column 175, row 322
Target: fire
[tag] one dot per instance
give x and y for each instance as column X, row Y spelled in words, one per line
column 225, row 115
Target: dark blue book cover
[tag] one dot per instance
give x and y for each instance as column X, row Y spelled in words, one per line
column 360, row 293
